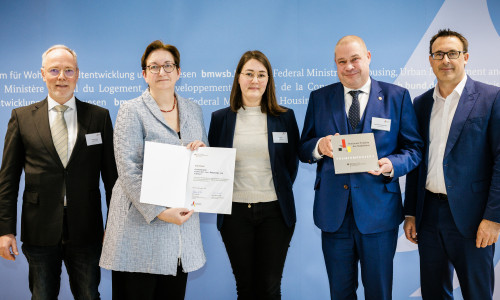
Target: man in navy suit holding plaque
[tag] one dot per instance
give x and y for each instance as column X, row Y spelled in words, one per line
column 359, row 213
column 452, row 204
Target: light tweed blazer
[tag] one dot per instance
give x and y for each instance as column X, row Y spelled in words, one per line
column 136, row 240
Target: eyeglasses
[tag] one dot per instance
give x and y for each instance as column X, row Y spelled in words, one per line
column 450, row 54
column 69, row 73
column 261, row 77
column 155, row 69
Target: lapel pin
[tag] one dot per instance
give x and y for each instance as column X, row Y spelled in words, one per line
column 379, row 98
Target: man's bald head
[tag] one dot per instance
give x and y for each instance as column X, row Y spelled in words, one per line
column 351, row 39
column 353, row 61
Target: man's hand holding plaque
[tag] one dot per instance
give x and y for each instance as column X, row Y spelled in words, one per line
column 357, row 153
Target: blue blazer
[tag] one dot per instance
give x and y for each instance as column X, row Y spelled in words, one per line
column 376, row 200
column 471, row 159
column 284, row 156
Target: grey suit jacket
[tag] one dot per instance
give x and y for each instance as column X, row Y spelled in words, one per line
column 136, row 240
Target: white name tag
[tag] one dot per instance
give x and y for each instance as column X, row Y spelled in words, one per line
column 280, row 137
column 381, row 124
column 93, row 138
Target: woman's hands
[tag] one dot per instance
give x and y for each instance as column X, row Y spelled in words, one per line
column 175, row 215
column 195, row 145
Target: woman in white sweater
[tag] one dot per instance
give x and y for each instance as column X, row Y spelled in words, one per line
column 257, row 234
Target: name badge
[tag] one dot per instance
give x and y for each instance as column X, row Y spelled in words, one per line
column 381, row 124
column 280, row 137
column 93, row 138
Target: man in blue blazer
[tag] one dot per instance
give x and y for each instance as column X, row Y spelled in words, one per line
column 359, row 213
column 453, row 198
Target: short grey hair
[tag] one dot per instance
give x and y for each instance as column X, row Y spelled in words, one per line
column 44, row 55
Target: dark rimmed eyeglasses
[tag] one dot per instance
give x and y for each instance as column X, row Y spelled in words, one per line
column 451, row 54
column 155, row 69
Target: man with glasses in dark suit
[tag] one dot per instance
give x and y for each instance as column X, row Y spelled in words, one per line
column 63, row 146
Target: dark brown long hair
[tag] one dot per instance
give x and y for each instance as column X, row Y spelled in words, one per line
column 268, row 104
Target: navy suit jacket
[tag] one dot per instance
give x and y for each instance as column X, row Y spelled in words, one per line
column 376, row 200
column 471, row 161
column 283, row 156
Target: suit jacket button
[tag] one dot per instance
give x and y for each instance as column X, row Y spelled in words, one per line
column 346, row 186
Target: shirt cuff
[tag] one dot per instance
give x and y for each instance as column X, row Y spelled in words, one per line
column 389, row 174
column 315, row 153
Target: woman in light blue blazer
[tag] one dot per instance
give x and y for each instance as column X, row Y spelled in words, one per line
column 151, row 248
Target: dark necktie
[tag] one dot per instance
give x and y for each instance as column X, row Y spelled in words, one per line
column 354, row 115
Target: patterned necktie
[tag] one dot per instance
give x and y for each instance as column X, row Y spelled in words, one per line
column 354, row 115
column 59, row 132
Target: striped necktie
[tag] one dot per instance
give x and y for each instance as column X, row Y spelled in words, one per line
column 59, row 132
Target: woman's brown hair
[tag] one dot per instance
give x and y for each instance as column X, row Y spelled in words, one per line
column 269, row 104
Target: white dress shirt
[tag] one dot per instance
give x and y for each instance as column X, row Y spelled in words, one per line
column 442, row 115
column 69, row 117
column 362, row 97
column 363, row 101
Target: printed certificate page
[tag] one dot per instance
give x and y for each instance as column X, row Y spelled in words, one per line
column 211, row 177
column 174, row 176
column 354, row 153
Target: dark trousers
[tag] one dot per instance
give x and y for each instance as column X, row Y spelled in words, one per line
column 145, row 286
column 442, row 248
column 82, row 264
column 346, row 247
column 257, row 241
